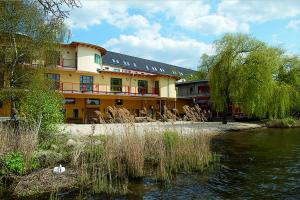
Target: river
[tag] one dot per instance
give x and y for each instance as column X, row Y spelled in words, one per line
column 258, row 164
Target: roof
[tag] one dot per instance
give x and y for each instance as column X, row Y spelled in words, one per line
column 191, row 82
column 135, row 63
column 75, row 44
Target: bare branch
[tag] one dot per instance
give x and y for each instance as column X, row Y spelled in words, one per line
column 56, row 7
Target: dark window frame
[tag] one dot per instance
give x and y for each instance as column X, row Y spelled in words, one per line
column 116, row 87
column 97, row 58
column 89, row 102
column 119, row 102
column 67, row 102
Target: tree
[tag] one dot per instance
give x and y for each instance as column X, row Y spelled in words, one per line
column 41, row 104
column 243, row 71
column 29, row 39
column 289, row 73
column 203, row 69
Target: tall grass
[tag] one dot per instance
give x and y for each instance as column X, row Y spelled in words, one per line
column 106, row 163
column 19, row 138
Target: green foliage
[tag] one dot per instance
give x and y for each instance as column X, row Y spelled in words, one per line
column 281, row 123
column 29, row 38
column 41, row 104
column 14, row 162
column 170, row 139
column 243, row 72
column 203, row 69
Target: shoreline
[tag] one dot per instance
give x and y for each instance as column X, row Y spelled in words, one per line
column 143, row 128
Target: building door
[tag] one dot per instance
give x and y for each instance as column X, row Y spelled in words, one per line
column 156, row 87
column 142, row 86
column 86, row 83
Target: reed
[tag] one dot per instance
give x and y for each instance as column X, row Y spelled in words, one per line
column 107, row 163
column 19, row 138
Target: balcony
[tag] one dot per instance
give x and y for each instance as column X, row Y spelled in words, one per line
column 67, row 63
column 103, row 89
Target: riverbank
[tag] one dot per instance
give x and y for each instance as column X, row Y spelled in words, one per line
column 142, row 128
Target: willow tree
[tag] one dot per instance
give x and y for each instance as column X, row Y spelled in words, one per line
column 243, row 71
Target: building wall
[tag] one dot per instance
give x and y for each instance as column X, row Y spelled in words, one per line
column 70, row 80
column 167, row 87
column 69, row 56
column 86, row 59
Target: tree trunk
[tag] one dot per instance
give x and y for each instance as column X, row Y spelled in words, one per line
column 225, row 109
column 225, row 113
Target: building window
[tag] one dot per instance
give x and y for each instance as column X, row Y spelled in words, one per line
column 69, row 101
column 116, row 84
column 1, row 104
column 191, row 90
column 142, row 86
column 116, row 69
column 86, row 83
column 75, row 113
column 55, row 78
column 97, row 59
column 119, row 102
column 92, row 101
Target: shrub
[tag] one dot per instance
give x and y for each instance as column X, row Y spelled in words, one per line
column 14, row 162
column 281, row 123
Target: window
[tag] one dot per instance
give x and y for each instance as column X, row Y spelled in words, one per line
column 92, row 101
column 1, row 104
column 86, row 83
column 69, row 101
column 117, row 61
column 116, row 70
column 116, row 84
column 113, row 60
column 119, row 102
column 134, row 64
column 55, row 78
column 147, row 67
column 142, row 86
column 97, row 59
column 75, row 113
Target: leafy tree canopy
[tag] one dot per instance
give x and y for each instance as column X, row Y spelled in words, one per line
column 243, row 71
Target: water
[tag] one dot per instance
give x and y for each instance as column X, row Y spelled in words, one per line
column 260, row 164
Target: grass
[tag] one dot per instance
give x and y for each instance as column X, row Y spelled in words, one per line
column 107, row 163
column 281, row 123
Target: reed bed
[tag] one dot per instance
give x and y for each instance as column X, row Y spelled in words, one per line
column 19, row 138
column 107, row 163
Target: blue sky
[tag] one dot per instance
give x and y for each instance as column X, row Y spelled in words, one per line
column 179, row 31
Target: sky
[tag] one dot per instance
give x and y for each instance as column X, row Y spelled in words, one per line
column 178, row 32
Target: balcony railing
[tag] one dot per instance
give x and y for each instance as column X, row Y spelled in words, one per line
column 68, row 63
column 86, row 88
column 201, row 94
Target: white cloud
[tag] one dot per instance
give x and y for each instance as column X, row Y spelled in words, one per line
column 95, row 12
column 259, row 10
column 150, row 44
column 294, row 24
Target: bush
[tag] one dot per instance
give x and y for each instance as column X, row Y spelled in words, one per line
column 14, row 163
column 41, row 105
column 281, row 123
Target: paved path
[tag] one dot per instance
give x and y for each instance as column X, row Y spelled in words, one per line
column 184, row 127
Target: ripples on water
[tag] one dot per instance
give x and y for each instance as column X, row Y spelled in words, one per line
column 261, row 164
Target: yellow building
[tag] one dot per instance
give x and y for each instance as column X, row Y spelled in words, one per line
column 91, row 78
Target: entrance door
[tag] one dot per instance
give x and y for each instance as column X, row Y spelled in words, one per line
column 156, row 88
